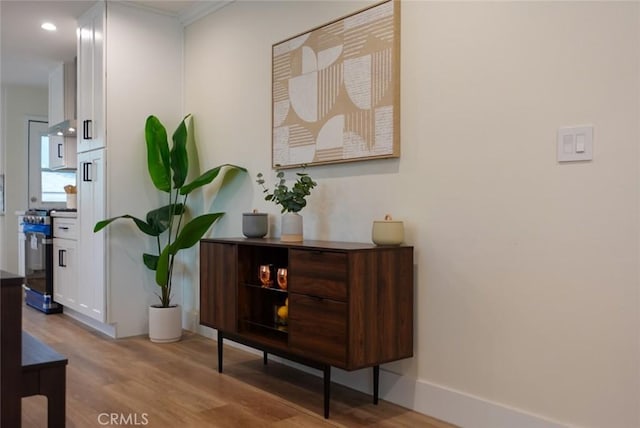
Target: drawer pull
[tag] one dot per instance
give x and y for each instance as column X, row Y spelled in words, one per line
column 63, row 227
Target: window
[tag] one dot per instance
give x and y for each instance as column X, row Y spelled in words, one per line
column 46, row 186
column 53, row 182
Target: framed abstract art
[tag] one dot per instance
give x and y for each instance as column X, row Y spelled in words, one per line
column 336, row 90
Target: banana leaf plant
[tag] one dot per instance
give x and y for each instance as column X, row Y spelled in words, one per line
column 169, row 169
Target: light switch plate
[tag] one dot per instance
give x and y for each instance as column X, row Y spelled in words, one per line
column 575, row 143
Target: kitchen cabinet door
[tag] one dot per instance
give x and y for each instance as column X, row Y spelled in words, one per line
column 62, row 152
column 91, row 121
column 65, row 284
column 91, row 246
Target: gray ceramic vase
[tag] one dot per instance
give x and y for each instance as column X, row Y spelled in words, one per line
column 255, row 225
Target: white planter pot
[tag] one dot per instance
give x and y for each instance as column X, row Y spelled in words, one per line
column 291, row 227
column 165, row 324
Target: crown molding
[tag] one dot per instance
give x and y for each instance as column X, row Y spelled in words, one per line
column 200, row 10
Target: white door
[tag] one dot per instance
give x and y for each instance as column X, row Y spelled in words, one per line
column 37, row 136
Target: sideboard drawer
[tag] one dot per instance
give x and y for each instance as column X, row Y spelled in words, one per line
column 318, row 273
column 318, row 328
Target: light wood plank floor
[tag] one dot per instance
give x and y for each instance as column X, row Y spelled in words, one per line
column 178, row 385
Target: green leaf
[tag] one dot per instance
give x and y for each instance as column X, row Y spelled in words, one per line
column 162, row 268
column 179, row 158
column 150, row 261
column 158, row 161
column 208, row 177
column 160, row 218
column 193, row 231
column 188, row 237
column 144, row 227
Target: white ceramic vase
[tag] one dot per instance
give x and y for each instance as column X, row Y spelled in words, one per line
column 165, row 324
column 291, row 230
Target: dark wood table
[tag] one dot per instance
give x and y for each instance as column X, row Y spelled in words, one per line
column 44, row 373
column 10, row 349
column 27, row 366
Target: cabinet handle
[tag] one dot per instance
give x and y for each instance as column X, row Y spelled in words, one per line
column 85, row 129
column 59, row 152
column 61, row 262
column 86, row 171
column 63, row 228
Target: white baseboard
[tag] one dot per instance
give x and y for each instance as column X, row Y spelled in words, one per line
column 424, row 397
column 442, row 403
column 108, row 329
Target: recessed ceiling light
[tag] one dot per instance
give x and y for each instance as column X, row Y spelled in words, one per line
column 48, row 26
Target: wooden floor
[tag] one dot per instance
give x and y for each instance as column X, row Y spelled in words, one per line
column 178, row 385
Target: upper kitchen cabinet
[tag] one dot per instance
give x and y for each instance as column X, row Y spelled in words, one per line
column 91, row 53
column 62, row 152
column 62, row 116
column 56, row 95
column 62, row 99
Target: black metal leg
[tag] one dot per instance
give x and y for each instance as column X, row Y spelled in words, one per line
column 376, row 380
column 327, row 390
column 264, row 357
column 220, row 337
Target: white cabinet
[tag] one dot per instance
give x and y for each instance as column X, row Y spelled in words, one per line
column 62, row 99
column 91, row 119
column 62, row 152
column 56, row 95
column 65, row 268
column 125, row 54
column 62, row 113
column 91, row 246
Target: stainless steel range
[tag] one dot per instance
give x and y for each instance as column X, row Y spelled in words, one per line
column 38, row 261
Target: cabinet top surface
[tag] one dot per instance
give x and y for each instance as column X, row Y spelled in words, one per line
column 64, row 214
column 9, row 279
column 306, row 244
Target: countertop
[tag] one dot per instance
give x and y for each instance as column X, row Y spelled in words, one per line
column 65, row 214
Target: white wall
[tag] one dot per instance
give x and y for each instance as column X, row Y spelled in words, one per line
column 526, row 269
column 18, row 103
column 144, row 75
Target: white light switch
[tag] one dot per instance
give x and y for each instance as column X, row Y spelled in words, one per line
column 580, row 143
column 567, row 143
column 575, row 143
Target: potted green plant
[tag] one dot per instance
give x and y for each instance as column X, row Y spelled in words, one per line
column 291, row 200
column 168, row 225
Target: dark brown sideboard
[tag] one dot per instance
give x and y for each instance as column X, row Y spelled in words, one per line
column 350, row 305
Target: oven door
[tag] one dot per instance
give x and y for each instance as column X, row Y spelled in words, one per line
column 38, row 260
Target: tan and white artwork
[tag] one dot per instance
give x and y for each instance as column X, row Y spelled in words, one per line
column 336, row 92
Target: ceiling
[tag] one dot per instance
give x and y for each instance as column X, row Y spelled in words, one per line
column 28, row 53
